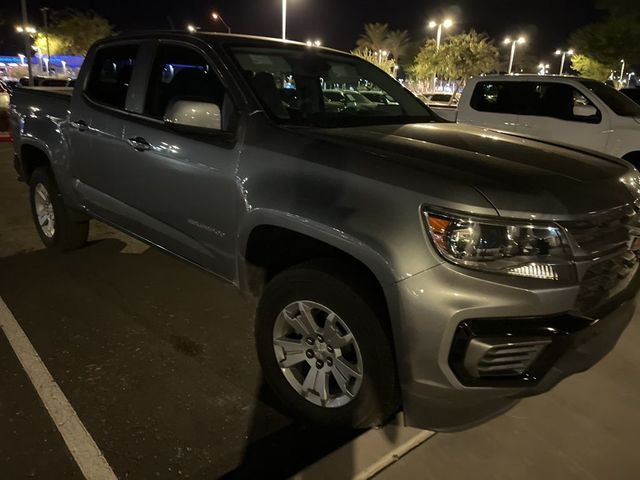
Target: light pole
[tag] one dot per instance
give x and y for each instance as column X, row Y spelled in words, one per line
column 21, row 56
column 631, row 74
column 564, row 54
column 218, row 18
column 621, row 71
column 447, row 23
column 45, row 17
column 284, row 19
column 25, row 31
column 514, row 42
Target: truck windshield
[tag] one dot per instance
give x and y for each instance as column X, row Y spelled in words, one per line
column 310, row 87
column 616, row 101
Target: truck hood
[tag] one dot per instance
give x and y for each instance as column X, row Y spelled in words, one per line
column 520, row 177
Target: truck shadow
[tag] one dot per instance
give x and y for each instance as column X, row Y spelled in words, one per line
column 157, row 358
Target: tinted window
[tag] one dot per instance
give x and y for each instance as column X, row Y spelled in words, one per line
column 110, row 75
column 180, row 73
column 615, row 100
column 498, row 97
column 556, row 100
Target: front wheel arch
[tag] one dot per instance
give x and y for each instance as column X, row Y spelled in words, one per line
column 633, row 158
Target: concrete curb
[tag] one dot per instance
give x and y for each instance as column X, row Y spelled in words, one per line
column 368, row 454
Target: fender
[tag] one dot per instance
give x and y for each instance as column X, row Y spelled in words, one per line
column 376, row 262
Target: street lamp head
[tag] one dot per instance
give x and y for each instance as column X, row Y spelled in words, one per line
column 570, row 52
column 432, row 24
column 19, row 29
column 309, row 43
column 317, row 43
column 447, row 23
column 192, row 28
column 558, row 52
column 215, row 16
column 522, row 40
column 507, row 40
column 384, row 53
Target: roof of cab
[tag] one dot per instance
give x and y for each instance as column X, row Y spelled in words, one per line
column 218, row 37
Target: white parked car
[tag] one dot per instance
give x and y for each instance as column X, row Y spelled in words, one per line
column 567, row 110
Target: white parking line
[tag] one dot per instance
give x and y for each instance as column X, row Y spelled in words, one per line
column 82, row 447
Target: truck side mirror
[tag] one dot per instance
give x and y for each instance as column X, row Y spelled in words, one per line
column 189, row 113
column 584, row 111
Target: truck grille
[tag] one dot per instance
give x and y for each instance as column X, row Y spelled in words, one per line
column 608, row 236
column 605, row 279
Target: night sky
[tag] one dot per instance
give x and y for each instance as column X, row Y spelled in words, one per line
column 546, row 23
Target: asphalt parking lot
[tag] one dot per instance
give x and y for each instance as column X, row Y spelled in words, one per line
column 157, row 360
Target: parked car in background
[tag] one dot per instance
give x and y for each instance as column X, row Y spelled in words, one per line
column 440, row 99
column 381, row 98
column 632, row 93
column 48, row 82
column 568, row 110
column 4, row 107
column 350, row 99
column 400, row 261
column 4, row 96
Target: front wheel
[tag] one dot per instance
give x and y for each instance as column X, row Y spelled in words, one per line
column 54, row 222
column 323, row 348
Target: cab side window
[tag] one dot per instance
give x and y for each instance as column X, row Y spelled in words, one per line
column 110, row 75
column 498, row 97
column 181, row 73
column 557, row 100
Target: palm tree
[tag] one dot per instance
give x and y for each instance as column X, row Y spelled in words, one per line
column 397, row 42
column 374, row 37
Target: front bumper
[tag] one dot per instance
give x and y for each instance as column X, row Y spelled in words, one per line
column 427, row 312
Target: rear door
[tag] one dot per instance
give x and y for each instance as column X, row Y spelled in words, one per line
column 97, row 107
column 548, row 114
column 493, row 104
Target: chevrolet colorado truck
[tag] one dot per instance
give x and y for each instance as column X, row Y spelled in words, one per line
column 399, row 261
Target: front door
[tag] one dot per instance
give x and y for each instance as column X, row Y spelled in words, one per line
column 182, row 187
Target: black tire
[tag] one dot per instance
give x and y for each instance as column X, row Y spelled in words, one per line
column 343, row 291
column 70, row 232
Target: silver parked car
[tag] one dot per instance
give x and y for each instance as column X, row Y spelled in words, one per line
column 399, row 261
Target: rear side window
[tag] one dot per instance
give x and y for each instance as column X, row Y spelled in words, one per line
column 497, row 97
column 180, row 73
column 500, row 97
column 110, row 75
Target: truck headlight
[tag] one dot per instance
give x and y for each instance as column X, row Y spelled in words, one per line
column 509, row 247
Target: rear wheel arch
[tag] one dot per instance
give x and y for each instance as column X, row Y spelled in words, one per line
column 32, row 158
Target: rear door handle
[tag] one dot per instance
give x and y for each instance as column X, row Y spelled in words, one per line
column 80, row 125
column 139, row 143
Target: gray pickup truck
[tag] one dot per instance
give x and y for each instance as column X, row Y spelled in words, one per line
column 399, row 261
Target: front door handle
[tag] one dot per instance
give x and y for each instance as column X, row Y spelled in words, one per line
column 80, row 125
column 139, row 143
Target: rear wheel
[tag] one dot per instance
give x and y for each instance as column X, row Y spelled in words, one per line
column 323, row 347
column 55, row 223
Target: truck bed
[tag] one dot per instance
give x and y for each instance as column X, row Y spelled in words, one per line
column 40, row 101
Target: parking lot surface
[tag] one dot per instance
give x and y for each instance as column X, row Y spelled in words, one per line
column 157, row 359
